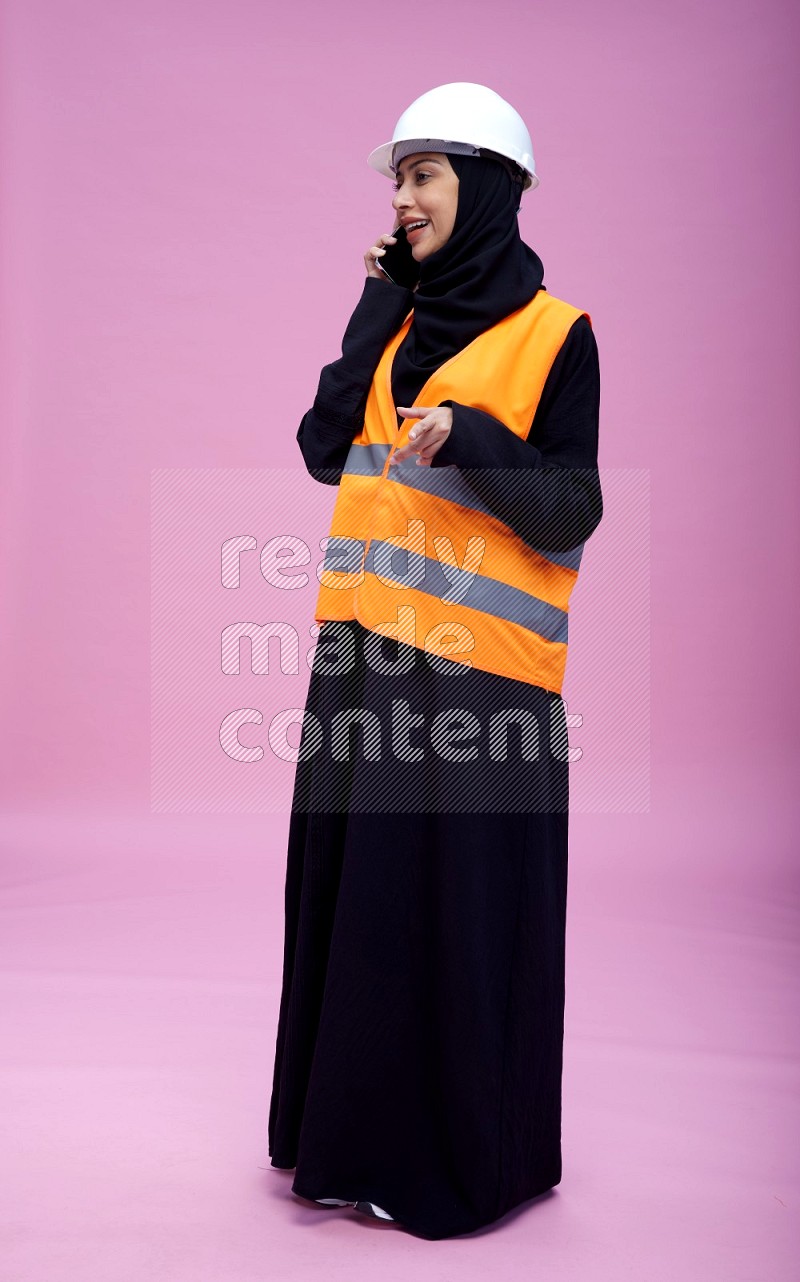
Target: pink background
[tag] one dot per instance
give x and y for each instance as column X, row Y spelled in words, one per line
column 185, row 207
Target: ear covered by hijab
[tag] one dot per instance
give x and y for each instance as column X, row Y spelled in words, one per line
column 482, row 273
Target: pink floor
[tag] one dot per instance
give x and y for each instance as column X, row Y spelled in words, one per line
column 141, row 974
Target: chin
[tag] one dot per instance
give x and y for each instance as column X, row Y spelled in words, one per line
column 426, row 251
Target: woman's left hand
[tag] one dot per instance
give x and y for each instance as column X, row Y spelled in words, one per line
column 427, row 436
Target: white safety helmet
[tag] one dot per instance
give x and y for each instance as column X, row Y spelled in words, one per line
column 460, row 117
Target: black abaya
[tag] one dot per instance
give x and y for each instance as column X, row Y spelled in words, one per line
column 418, row 1062
column 419, row 1048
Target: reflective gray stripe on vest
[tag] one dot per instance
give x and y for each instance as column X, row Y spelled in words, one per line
column 366, row 460
column 344, row 554
column 444, row 483
column 459, row 587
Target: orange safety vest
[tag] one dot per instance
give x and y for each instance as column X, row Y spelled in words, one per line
column 413, row 551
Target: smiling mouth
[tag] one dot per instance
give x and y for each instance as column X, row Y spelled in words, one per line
column 414, row 229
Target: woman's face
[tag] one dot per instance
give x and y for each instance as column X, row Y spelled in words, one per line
column 427, row 190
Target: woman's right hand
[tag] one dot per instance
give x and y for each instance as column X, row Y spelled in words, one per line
column 375, row 252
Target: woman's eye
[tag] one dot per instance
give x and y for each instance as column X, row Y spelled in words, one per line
column 421, row 173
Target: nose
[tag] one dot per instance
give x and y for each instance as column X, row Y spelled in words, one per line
column 400, row 201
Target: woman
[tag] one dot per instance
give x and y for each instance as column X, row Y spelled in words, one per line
column 419, row 1048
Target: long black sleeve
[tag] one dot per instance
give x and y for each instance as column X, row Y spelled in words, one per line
column 546, row 487
column 327, row 430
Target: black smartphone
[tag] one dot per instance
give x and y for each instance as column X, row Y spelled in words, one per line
column 398, row 262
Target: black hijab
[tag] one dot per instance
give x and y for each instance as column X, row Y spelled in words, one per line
column 482, row 273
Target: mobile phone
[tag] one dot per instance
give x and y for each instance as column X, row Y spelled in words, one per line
column 398, row 262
